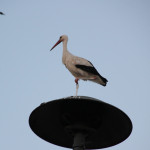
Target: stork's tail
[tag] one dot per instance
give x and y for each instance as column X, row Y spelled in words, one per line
column 100, row 80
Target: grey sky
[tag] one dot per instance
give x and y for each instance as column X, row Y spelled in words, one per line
column 113, row 34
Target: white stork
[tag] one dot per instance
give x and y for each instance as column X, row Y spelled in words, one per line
column 79, row 67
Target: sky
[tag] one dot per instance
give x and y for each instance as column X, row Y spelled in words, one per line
column 113, row 34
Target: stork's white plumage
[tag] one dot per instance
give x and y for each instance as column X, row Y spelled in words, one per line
column 79, row 67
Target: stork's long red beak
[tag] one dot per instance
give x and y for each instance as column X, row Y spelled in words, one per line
column 59, row 41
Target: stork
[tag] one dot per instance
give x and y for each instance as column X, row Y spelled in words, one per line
column 79, row 67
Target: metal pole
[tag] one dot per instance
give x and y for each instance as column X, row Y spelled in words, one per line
column 79, row 141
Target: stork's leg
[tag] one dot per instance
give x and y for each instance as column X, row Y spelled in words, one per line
column 77, row 85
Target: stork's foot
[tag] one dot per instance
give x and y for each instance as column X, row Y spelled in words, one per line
column 77, row 86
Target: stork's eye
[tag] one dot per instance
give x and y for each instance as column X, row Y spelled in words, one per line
column 60, row 37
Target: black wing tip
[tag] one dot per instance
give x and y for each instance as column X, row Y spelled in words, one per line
column 105, row 81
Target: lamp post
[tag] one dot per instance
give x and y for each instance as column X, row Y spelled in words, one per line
column 80, row 123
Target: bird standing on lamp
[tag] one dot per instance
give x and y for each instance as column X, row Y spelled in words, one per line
column 79, row 67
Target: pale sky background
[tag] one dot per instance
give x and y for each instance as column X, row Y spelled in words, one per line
column 113, row 34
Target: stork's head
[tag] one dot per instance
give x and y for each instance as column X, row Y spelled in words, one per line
column 61, row 39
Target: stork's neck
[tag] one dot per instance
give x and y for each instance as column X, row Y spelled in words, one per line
column 65, row 46
column 65, row 52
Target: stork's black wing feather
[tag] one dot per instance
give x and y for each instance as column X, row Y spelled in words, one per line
column 90, row 69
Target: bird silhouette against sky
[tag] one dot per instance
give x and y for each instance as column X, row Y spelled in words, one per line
column 1, row 13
